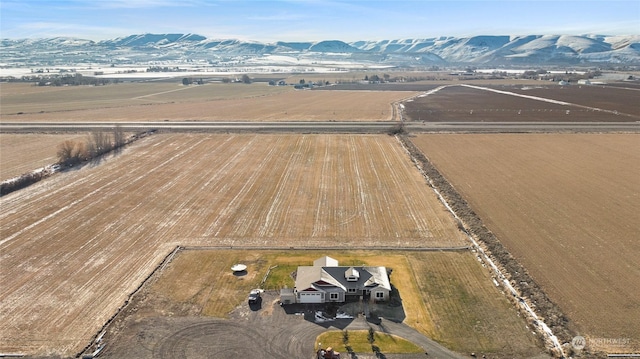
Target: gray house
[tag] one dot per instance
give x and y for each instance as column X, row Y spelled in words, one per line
column 326, row 281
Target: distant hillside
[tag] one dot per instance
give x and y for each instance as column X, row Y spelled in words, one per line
column 477, row 50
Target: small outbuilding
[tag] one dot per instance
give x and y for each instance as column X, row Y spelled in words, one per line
column 287, row 296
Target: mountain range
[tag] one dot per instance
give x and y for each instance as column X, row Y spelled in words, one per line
column 441, row 51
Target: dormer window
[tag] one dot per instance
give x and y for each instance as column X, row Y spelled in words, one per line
column 352, row 275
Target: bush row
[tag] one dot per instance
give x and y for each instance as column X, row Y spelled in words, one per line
column 23, row 181
column 71, row 153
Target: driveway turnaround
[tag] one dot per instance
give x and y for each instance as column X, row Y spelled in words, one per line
column 265, row 330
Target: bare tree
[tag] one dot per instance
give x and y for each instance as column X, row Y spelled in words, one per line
column 65, row 151
column 92, row 150
column 118, row 136
column 80, row 152
column 97, row 140
column 101, row 143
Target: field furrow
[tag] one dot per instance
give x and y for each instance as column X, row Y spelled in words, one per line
column 322, row 190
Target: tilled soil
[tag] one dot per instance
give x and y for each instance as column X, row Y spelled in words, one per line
column 289, row 106
column 465, row 104
column 75, row 246
column 560, row 218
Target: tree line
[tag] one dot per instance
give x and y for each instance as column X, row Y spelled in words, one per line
column 97, row 143
column 70, row 153
column 165, row 69
column 62, row 80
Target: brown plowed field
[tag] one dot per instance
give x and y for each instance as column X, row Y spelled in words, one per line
column 567, row 207
column 26, row 98
column 632, row 85
column 623, row 100
column 24, row 153
column 75, row 245
column 213, row 102
column 465, row 104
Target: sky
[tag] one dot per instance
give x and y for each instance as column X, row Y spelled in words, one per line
column 315, row 20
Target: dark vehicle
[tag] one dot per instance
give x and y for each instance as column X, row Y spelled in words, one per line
column 254, row 296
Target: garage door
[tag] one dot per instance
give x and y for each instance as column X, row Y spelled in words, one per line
column 310, row 297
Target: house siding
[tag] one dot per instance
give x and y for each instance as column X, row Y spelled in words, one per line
column 375, row 296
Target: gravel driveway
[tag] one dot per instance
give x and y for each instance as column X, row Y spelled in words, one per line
column 264, row 331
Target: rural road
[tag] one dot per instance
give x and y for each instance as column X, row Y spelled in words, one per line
column 327, row 126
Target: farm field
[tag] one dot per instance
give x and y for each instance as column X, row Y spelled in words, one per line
column 425, row 85
column 629, row 85
column 210, row 102
column 461, row 104
column 621, row 99
column 566, row 206
column 446, row 295
column 76, row 244
column 29, row 99
column 24, row 153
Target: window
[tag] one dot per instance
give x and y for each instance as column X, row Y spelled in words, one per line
column 379, row 295
column 333, row 296
column 351, row 290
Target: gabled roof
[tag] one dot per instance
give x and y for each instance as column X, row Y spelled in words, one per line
column 326, row 278
column 308, row 277
column 379, row 277
column 369, row 277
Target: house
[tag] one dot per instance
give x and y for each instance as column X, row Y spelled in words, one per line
column 326, row 281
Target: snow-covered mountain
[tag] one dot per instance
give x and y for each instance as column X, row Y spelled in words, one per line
column 477, row 50
column 153, row 40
